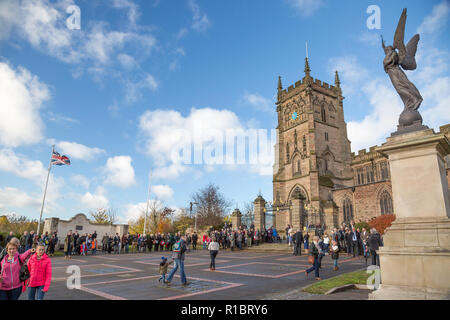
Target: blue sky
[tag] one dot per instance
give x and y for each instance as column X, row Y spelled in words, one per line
column 115, row 94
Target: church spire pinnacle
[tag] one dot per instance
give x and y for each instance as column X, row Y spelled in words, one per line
column 337, row 82
column 280, row 88
column 307, row 69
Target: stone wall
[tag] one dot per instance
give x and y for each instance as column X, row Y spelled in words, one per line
column 365, row 200
column 81, row 224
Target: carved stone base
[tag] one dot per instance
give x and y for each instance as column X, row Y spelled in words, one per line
column 415, row 262
column 409, row 121
column 386, row 292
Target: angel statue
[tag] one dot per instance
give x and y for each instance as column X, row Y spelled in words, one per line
column 406, row 59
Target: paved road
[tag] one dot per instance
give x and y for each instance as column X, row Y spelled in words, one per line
column 239, row 275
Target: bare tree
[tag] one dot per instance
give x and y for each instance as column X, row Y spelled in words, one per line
column 104, row 216
column 211, row 207
column 248, row 215
column 112, row 215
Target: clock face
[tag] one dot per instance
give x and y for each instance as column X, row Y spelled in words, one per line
column 294, row 115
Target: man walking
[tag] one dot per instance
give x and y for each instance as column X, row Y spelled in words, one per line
column 178, row 255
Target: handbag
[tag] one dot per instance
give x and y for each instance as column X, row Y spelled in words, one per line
column 24, row 271
column 310, row 259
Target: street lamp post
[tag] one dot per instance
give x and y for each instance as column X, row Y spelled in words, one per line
column 190, row 210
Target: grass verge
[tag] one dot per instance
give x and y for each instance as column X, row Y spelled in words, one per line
column 356, row 277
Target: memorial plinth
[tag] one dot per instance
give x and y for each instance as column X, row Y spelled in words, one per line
column 415, row 259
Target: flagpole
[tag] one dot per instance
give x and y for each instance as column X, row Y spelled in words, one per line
column 45, row 191
column 148, row 199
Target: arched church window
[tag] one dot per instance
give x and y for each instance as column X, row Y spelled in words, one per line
column 296, row 166
column 287, row 152
column 348, row 210
column 304, row 144
column 360, row 175
column 386, row 203
column 369, row 174
column 384, row 170
column 323, row 114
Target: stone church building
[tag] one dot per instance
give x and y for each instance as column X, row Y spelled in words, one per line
column 316, row 178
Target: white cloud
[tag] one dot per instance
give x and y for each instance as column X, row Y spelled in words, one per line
column 100, row 43
column 15, row 198
column 351, row 73
column 133, row 89
column 59, row 118
column 200, row 21
column 81, row 180
column 306, row 7
column 21, row 96
column 181, row 34
column 43, row 24
column 34, row 171
column 120, row 172
column 167, row 135
column 126, row 61
column 258, row 102
column 133, row 211
column 382, row 118
column 21, row 166
column 385, row 105
column 436, row 20
column 133, row 13
column 163, row 192
column 78, row 151
column 370, row 38
column 96, row 200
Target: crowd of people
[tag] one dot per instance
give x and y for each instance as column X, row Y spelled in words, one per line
column 347, row 239
column 33, row 252
column 84, row 244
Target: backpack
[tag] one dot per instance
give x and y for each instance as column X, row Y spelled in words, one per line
column 177, row 246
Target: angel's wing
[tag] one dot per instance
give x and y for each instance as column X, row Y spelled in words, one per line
column 400, row 36
column 409, row 61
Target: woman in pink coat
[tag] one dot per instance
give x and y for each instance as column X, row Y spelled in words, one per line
column 40, row 267
column 10, row 284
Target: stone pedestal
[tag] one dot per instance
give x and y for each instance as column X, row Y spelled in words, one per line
column 259, row 212
column 415, row 259
column 236, row 217
column 331, row 212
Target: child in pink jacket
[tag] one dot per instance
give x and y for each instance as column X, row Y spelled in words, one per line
column 40, row 267
column 10, row 284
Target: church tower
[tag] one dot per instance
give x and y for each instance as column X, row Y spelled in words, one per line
column 312, row 152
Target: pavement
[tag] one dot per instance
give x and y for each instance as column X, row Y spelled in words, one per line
column 239, row 275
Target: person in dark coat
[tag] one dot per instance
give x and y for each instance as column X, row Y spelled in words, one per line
column 374, row 243
column 348, row 241
column 194, row 241
column 298, row 240
column 354, row 237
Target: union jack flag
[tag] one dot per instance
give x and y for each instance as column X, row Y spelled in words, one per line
column 59, row 160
